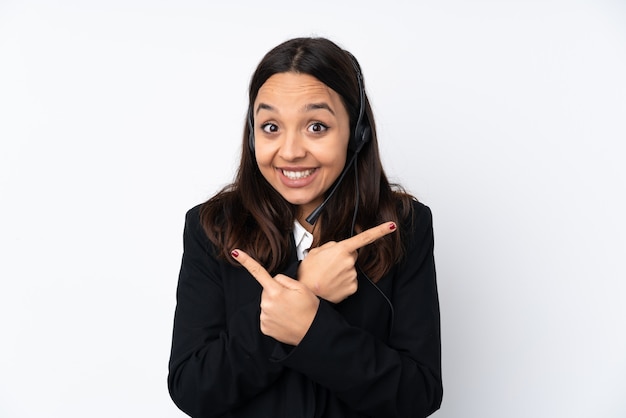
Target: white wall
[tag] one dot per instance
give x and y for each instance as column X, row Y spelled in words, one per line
column 507, row 118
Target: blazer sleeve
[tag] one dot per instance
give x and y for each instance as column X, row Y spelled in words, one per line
column 400, row 378
column 216, row 362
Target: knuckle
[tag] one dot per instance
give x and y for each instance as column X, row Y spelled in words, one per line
column 270, row 293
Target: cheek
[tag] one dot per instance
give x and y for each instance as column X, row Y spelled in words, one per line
column 263, row 156
column 333, row 158
column 264, row 161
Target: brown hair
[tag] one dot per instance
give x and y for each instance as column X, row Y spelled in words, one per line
column 251, row 215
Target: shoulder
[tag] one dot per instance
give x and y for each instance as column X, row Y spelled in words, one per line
column 421, row 213
column 411, row 212
column 193, row 214
column 192, row 219
column 416, row 223
column 194, row 231
column 212, row 223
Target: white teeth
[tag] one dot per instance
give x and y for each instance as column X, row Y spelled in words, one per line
column 295, row 175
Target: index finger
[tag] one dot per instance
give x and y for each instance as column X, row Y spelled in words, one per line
column 368, row 236
column 254, row 268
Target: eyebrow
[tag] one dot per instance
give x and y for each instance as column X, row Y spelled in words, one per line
column 264, row 106
column 316, row 106
column 308, row 108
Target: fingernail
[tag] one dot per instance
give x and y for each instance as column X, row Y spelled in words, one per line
column 234, row 253
column 392, row 226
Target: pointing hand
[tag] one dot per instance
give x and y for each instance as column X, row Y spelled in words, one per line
column 329, row 270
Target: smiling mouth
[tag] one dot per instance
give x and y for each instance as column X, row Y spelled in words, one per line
column 296, row 175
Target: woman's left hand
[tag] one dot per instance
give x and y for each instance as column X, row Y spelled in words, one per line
column 287, row 306
column 328, row 270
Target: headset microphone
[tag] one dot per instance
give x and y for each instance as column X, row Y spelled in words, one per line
column 318, row 210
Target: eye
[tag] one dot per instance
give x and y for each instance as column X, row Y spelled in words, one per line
column 269, row 127
column 317, row 127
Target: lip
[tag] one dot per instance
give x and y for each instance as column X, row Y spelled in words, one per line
column 296, row 183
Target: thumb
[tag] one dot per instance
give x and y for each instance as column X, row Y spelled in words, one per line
column 287, row 282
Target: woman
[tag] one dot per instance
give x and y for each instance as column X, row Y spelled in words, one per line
column 266, row 328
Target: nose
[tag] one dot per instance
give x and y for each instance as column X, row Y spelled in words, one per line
column 292, row 147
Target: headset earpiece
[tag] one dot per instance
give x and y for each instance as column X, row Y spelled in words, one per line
column 362, row 128
column 361, row 138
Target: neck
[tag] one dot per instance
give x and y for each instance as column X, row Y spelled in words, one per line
column 302, row 215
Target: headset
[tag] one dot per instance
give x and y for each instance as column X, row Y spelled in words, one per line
column 360, row 137
column 362, row 129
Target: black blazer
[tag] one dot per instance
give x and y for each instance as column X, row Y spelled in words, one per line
column 376, row 354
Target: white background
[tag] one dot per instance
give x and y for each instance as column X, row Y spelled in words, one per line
column 508, row 118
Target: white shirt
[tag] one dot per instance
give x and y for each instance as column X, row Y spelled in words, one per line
column 303, row 240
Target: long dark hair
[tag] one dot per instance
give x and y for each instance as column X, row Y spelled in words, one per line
column 251, row 215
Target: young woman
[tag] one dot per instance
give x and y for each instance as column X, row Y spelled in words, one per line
column 307, row 286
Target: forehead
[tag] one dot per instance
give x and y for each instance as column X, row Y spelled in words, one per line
column 295, row 86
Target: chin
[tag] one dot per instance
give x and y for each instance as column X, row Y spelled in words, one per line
column 298, row 200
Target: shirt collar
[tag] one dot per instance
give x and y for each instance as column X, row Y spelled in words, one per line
column 302, row 238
